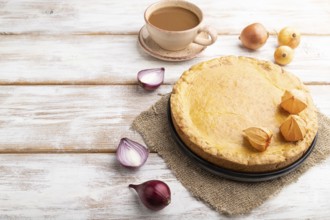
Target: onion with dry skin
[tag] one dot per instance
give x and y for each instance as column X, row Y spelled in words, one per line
column 154, row 194
column 283, row 55
column 254, row 36
column 289, row 36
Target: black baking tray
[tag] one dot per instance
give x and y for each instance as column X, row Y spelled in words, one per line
column 231, row 174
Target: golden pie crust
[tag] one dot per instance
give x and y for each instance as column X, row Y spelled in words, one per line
column 214, row 101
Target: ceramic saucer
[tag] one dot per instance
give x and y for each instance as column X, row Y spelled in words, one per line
column 151, row 48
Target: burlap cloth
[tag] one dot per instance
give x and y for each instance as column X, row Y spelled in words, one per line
column 225, row 196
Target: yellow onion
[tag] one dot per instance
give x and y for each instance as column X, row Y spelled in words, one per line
column 283, row 55
column 289, row 36
column 254, row 36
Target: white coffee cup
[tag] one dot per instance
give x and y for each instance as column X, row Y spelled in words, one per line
column 179, row 40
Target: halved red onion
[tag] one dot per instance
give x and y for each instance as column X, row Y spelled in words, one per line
column 151, row 79
column 131, row 154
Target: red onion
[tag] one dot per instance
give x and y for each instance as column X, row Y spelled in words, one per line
column 151, row 79
column 131, row 154
column 154, row 194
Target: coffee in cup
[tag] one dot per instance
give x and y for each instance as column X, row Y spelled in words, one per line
column 174, row 24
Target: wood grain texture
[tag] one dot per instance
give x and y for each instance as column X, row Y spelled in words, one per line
column 95, row 186
column 117, row 59
column 63, row 44
column 71, row 118
column 122, row 17
column 81, row 118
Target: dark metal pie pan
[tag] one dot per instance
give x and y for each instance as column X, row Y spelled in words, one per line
column 231, row 174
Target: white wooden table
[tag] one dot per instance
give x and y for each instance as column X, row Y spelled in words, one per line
column 69, row 93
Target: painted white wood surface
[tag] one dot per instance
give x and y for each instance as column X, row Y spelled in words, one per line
column 116, row 59
column 95, row 186
column 114, row 17
column 71, row 118
column 81, row 118
column 60, row 44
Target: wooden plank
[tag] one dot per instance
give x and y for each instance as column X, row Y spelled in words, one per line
column 70, row 118
column 81, row 118
column 117, row 59
column 95, row 186
column 109, row 17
